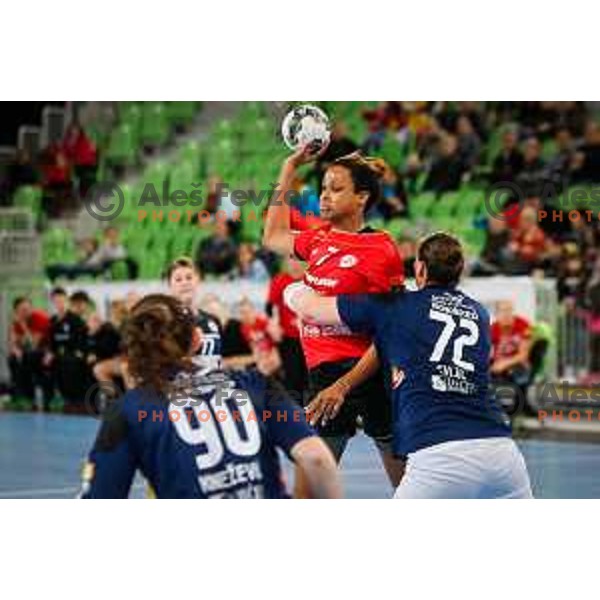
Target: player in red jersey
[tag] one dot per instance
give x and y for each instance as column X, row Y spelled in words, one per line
column 343, row 257
column 511, row 344
column 290, row 348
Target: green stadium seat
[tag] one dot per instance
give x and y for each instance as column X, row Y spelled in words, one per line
column 58, row 246
column 155, row 125
column 29, row 196
column 122, row 148
column 421, row 205
column 180, row 114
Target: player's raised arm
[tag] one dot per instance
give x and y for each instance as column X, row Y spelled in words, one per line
column 278, row 235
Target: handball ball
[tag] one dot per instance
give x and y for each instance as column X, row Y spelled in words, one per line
column 305, row 125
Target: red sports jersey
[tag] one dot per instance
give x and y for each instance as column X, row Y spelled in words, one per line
column 257, row 336
column 299, row 222
column 38, row 325
column 507, row 340
column 344, row 263
column 287, row 318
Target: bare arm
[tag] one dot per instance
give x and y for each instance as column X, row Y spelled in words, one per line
column 318, row 467
column 278, row 235
column 327, row 403
column 364, row 369
column 310, row 306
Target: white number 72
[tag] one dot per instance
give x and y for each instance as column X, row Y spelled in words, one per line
column 467, row 339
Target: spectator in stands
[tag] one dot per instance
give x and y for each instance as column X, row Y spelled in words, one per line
column 112, row 251
column 105, row 344
column 571, row 281
column 389, row 116
column 393, row 202
column 286, row 321
column 235, row 350
column 473, row 111
column 509, row 162
column 528, row 246
column 469, row 144
column 511, row 338
column 67, row 350
column 447, row 171
column 81, row 152
column 493, row 256
column 81, row 304
column 217, row 254
column 571, row 116
column 249, row 268
column 28, row 339
column 86, row 265
column 97, row 259
column 533, row 174
column 57, row 182
column 558, row 165
column 260, row 334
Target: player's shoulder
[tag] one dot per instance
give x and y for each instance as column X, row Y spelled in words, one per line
column 253, row 383
column 475, row 305
column 250, row 380
column 208, row 322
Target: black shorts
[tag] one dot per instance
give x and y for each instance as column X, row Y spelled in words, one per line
column 370, row 401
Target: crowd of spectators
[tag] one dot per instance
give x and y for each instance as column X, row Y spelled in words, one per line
column 65, row 171
column 55, row 358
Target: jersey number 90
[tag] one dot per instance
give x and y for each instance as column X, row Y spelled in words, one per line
column 212, row 436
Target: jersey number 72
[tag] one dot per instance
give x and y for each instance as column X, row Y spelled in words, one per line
column 469, row 338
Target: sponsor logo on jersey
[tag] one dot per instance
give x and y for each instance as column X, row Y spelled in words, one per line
column 348, row 261
column 438, row 383
column 321, row 281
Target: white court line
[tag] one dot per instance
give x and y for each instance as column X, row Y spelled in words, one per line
column 72, row 490
column 38, row 492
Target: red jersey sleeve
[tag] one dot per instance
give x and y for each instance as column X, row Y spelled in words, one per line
column 304, row 243
column 384, row 275
column 299, row 222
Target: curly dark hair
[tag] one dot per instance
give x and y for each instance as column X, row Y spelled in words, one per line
column 367, row 174
column 158, row 337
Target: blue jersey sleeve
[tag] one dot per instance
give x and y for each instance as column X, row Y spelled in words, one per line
column 285, row 420
column 359, row 312
column 111, row 465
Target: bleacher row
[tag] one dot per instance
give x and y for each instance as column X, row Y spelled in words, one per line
column 246, row 152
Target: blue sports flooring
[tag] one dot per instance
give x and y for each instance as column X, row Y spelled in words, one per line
column 41, row 457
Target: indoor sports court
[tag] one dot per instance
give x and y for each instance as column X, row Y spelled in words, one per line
column 41, row 456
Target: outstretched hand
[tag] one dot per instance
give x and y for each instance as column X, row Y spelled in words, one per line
column 306, row 154
column 327, row 404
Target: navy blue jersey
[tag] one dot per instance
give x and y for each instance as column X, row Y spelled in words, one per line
column 216, row 440
column 436, row 345
column 210, row 353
